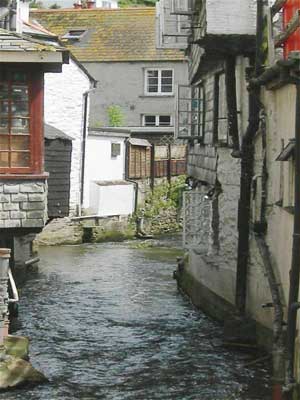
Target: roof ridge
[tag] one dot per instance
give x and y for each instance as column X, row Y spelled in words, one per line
column 60, row 10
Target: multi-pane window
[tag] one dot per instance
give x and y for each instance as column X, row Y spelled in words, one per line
column 159, row 81
column 21, row 120
column 190, row 112
column 14, row 120
column 156, row 120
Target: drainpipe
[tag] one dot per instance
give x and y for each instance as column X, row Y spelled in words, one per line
column 4, row 267
column 247, row 160
column 295, row 264
column 83, row 146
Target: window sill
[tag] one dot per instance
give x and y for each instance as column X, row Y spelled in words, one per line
column 155, row 96
column 32, row 177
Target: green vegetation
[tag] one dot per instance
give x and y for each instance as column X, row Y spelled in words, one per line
column 165, row 197
column 136, row 3
column 115, row 116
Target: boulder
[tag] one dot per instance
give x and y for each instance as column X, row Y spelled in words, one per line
column 15, row 372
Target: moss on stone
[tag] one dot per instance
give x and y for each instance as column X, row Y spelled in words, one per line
column 15, row 372
column 17, row 346
column 100, row 235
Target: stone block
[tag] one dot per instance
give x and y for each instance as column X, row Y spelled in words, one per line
column 36, row 205
column 11, row 207
column 1, row 187
column 12, row 223
column 32, row 223
column 4, row 215
column 19, row 197
column 4, row 198
column 35, row 214
column 36, row 197
column 17, row 214
column 11, row 188
column 32, row 188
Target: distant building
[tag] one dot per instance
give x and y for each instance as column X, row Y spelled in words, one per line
column 137, row 81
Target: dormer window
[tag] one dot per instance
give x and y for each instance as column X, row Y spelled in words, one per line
column 74, row 34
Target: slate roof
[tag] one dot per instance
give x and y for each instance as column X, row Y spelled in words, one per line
column 124, row 34
column 11, row 41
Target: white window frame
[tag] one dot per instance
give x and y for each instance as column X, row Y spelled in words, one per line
column 159, row 92
column 157, row 116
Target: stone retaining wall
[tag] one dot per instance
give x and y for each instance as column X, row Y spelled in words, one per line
column 23, row 204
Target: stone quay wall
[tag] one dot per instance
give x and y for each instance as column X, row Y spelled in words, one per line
column 23, row 204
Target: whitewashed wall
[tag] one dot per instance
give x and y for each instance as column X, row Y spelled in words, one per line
column 99, row 165
column 231, row 17
column 111, row 200
column 102, row 3
column 64, row 110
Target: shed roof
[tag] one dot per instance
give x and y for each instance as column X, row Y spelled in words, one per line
column 126, row 34
column 53, row 133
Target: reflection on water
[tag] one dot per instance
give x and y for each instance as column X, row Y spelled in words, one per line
column 107, row 322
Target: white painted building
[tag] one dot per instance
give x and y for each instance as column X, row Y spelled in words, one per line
column 106, row 191
column 65, row 109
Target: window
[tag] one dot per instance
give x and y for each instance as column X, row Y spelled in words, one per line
column 156, row 120
column 20, row 122
column 106, row 4
column 190, row 112
column 220, row 110
column 159, row 81
column 115, row 149
column 287, row 175
column 74, row 34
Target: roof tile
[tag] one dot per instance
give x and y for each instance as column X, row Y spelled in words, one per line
column 126, row 34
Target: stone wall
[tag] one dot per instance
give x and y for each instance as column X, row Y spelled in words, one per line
column 23, row 204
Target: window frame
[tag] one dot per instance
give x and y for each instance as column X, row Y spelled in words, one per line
column 35, row 84
column 195, row 113
column 159, row 92
column 157, row 118
column 115, row 150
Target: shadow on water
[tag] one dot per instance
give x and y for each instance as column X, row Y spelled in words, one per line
column 107, row 322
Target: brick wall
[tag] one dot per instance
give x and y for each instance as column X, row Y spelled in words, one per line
column 23, row 204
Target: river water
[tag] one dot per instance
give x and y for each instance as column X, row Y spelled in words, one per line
column 106, row 321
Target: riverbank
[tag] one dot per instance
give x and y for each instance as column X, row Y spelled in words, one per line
column 159, row 214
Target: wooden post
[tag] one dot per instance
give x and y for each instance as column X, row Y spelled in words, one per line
column 169, row 172
column 152, row 166
column 4, row 266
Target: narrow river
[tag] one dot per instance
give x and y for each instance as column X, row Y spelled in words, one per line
column 106, row 322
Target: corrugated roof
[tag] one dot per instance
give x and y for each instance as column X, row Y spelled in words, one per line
column 126, row 34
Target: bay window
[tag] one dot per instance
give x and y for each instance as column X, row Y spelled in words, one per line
column 21, row 94
column 159, row 81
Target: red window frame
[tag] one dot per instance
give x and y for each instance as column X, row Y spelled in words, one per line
column 35, row 83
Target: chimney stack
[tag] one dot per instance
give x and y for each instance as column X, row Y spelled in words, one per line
column 78, row 5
